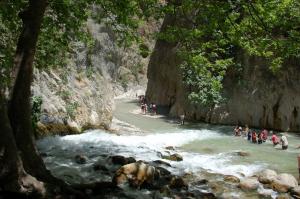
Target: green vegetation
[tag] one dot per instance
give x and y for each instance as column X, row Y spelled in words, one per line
column 36, row 104
column 64, row 94
column 40, row 34
column 211, row 33
column 124, row 80
column 71, row 109
column 144, row 50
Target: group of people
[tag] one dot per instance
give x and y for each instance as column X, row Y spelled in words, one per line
column 261, row 136
column 145, row 107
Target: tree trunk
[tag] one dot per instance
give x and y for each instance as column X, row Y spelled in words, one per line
column 11, row 165
column 20, row 108
column 13, row 178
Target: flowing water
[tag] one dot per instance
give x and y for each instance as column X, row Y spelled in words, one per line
column 205, row 148
column 215, row 143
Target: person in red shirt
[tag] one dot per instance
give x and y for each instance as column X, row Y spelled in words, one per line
column 274, row 139
column 254, row 137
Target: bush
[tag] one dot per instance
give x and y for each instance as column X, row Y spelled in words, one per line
column 36, row 105
column 71, row 109
column 144, row 50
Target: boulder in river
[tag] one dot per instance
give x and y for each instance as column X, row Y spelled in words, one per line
column 178, row 183
column 121, row 160
column 160, row 162
column 217, row 187
column 295, row 192
column 284, row 182
column 200, row 182
column 267, row 176
column 231, row 178
column 99, row 167
column 249, row 184
column 173, row 157
column 136, row 174
column 243, row 153
column 80, row 159
column 162, row 171
column 170, row 148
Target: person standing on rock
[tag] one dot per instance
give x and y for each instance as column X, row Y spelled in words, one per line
column 284, row 141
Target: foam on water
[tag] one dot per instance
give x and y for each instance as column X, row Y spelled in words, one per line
column 145, row 147
column 152, row 141
column 217, row 163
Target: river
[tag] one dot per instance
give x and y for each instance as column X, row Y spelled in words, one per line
column 204, row 148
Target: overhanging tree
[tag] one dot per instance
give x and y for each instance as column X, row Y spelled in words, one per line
column 210, row 32
column 22, row 169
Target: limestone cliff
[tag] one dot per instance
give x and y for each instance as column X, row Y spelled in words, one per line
column 81, row 94
column 254, row 95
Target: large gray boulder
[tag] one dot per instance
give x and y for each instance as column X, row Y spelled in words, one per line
column 136, row 174
column 231, row 178
column 267, row 176
column 284, row 182
column 249, row 184
column 295, row 192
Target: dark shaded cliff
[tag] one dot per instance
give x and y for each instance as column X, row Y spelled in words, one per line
column 254, row 95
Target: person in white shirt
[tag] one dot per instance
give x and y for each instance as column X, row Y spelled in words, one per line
column 284, row 142
column 182, row 119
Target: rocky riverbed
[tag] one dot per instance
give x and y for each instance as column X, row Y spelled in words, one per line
column 157, row 158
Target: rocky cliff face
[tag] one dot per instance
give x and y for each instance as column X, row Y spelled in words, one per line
column 254, row 95
column 81, row 94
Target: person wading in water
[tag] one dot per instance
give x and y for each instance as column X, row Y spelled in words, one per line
column 182, row 117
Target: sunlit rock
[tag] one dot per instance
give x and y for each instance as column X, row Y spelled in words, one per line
column 249, row 184
column 267, row 176
column 231, row 178
column 173, row 157
column 283, row 182
column 136, row 174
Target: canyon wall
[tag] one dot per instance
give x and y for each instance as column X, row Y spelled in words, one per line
column 80, row 95
column 253, row 94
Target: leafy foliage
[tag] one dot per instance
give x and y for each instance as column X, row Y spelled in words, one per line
column 210, row 32
column 9, row 29
column 36, row 103
column 65, row 22
column 71, row 109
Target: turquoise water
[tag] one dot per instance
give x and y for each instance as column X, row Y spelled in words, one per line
column 219, row 142
column 208, row 151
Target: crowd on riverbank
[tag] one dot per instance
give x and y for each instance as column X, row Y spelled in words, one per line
column 259, row 137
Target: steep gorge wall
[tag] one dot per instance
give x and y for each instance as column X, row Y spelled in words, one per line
column 81, row 94
column 254, row 95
